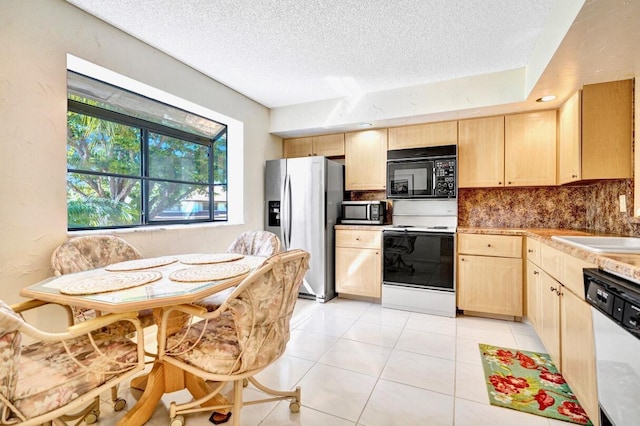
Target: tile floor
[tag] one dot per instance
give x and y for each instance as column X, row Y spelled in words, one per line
column 360, row 364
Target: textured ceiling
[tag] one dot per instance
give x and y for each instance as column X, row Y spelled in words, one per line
column 286, row 52
column 325, row 66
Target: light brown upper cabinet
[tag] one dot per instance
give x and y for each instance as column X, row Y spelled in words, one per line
column 595, row 133
column 422, row 135
column 481, row 152
column 326, row 145
column 530, row 149
column 365, row 160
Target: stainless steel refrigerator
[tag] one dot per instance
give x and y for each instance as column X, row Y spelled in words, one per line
column 302, row 204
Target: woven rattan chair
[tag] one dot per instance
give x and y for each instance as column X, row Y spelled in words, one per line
column 251, row 243
column 58, row 377
column 84, row 253
column 256, row 243
column 246, row 334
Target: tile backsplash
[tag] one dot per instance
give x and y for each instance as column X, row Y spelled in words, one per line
column 594, row 207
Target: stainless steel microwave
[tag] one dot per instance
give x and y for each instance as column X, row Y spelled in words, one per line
column 363, row 212
column 422, row 173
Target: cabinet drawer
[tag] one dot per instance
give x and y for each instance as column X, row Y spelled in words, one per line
column 359, row 238
column 573, row 278
column 533, row 251
column 551, row 261
column 490, row 245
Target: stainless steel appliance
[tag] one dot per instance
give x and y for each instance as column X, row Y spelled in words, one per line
column 363, row 212
column 615, row 310
column 419, row 252
column 422, row 173
column 303, row 197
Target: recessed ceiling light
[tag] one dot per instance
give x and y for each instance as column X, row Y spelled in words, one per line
column 547, row 98
column 363, row 125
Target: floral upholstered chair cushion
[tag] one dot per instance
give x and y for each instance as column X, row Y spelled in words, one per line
column 253, row 243
column 47, row 375
column 84, row 253
column 256, row 243
column 10, row 341
column 90, row 252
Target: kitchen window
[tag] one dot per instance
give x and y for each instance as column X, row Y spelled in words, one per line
column 133, row 161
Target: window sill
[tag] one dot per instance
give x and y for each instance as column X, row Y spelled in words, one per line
column 152, row 228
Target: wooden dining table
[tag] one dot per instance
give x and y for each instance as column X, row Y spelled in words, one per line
column 156, row 295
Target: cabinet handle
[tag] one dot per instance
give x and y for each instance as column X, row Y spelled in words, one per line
column 536, row 273
column 574, row 176
column 552, row 288
column 509, row 183
column 499, row 183
column 488, row 245
column 357, row 238
column 530, row 250
column 462, row 259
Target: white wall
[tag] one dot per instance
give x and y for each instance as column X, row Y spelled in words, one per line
column 35, row 38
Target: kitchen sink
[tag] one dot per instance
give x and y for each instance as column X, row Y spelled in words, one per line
column 602, row 244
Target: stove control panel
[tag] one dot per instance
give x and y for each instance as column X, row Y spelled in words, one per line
column 445, row 173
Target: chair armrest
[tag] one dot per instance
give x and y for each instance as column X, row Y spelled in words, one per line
column 103, row 321
column 34, row 303
column 84, row 327
column 187, row 309
column 27, row 305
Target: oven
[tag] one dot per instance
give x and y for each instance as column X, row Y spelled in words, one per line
column 418, row 272
column 615, row 311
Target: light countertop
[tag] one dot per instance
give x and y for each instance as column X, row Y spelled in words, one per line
column 624, row 264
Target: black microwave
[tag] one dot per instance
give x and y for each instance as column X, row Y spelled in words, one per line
column 363, row 212
column 422, row 173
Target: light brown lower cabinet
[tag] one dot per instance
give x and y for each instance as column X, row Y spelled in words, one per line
column 578, row 349
column 562, row 318
column 359, row 262
column 490, row 274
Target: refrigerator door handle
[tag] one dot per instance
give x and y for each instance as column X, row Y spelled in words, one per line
column 285, row 211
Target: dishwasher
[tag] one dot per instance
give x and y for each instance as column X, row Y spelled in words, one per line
column 615, row 308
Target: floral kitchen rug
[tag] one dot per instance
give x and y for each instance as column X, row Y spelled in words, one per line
column 529, row 382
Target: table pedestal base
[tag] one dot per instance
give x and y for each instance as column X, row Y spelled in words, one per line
column 163, row 378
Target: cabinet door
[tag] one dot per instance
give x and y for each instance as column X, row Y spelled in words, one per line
column 578, row 351
column 607, row 128
column 481, row 152
column 421, row 135
column 329, row 145
column 358, row 271
column 569, row 140
column 549, row 320
column 533, row 294
column 490, row 284
column 365, row 160
column 530, row 149
column 298, row 147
